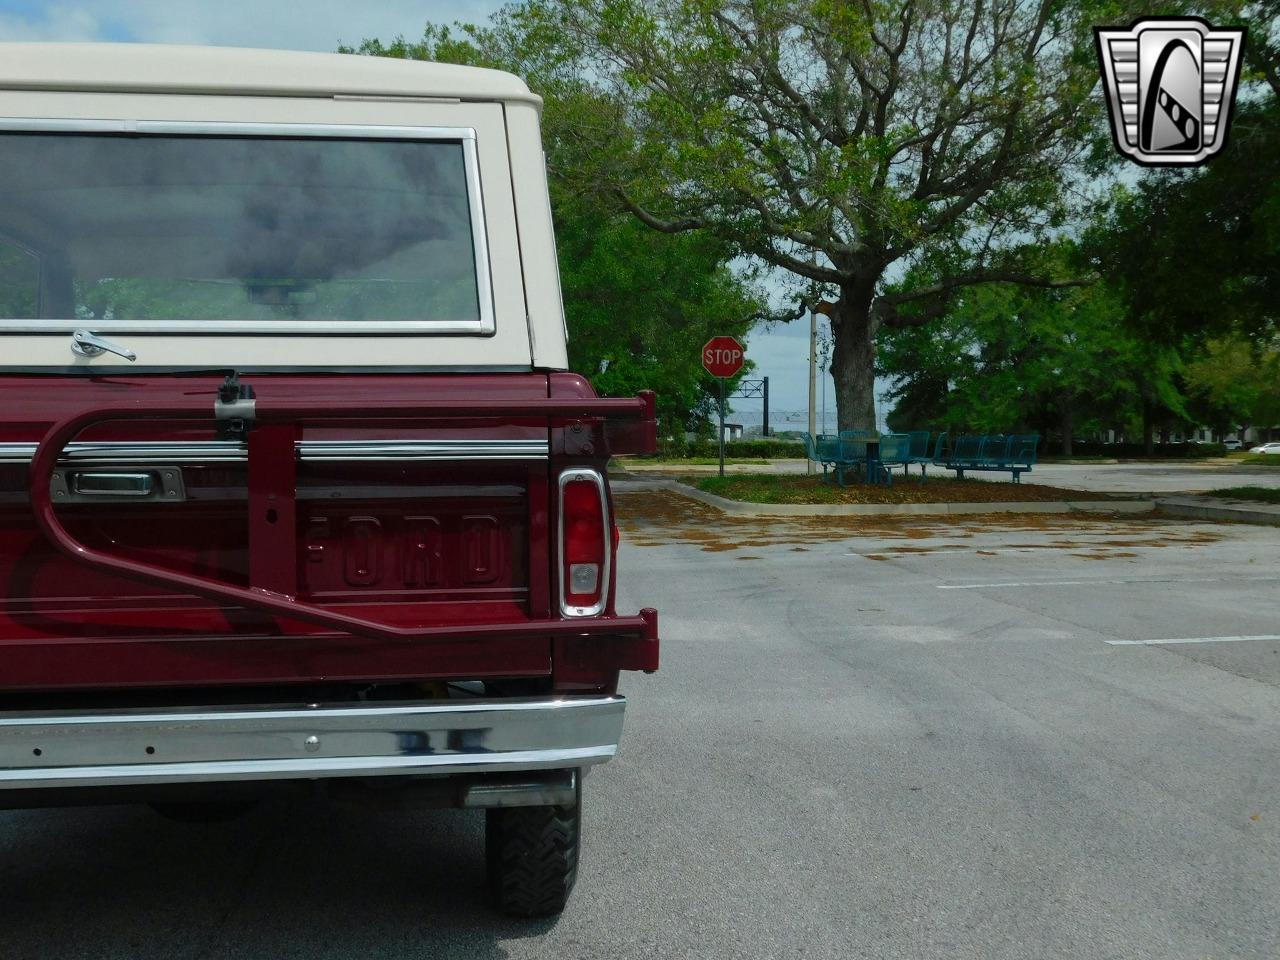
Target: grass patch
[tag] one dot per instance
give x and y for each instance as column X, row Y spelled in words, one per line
column 708, row 461
column 773, row 488
column 645, row 463
column 1076, row 458
column 1260, row 494
column 1255, row 459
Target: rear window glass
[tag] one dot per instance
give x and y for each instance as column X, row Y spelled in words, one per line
column 161, row 230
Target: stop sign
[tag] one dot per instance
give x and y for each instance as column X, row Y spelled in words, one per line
column 723, row 356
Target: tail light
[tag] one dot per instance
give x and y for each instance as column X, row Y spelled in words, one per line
column 584, row 543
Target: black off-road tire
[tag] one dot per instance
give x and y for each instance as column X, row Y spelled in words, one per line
column 532, row 856
column 213, row 811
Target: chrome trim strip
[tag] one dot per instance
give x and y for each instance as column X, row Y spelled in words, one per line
column 208, row 744
column 309, row 451
column 485, row 325
column 316, row 451
column 584, row 473
column 230, row 128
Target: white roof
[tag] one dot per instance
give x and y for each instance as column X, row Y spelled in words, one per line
column 156, row 68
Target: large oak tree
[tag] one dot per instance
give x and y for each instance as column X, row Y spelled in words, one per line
column 845, row 144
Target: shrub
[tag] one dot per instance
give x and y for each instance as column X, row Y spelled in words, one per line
column 1126, row 451
column 677, row 448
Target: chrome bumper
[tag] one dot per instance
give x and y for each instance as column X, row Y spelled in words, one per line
column 198, row 745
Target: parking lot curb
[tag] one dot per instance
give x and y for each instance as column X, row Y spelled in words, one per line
column 738, row 508
column 1205, row 509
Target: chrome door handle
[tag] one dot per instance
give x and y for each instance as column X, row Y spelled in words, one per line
column 104, row 484
column 85, row 343
column 149, row 484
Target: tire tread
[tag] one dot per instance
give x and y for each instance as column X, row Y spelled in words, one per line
column 532, row 855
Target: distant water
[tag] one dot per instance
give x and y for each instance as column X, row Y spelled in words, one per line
column 750, row 416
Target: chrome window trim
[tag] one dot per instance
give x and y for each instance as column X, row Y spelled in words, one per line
column 319, row 451
column 309, row 451
column 566, row 476
column 485, row 325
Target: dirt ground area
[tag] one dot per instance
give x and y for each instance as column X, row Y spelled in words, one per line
column 661, row 517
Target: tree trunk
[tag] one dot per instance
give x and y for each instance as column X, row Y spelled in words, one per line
column 1148, row 430
column 1068, row 427
column 853, row 359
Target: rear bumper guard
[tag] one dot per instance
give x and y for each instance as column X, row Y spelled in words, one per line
column 206, row 745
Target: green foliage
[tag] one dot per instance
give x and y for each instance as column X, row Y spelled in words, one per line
column 832, row 141
column 1260, row 494
column 639, row 305
column 1238, row 379
column 1194, row 256
column 1157, row 451
column 19, row 282
column 1013, row 358
column 678, row 449
column 1198, row 251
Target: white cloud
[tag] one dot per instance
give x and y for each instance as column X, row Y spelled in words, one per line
column 290, row 24
column 78, row 24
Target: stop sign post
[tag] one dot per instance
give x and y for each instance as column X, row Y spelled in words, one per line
column 723, row 357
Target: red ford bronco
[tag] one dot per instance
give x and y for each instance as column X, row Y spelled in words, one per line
column 295, row 489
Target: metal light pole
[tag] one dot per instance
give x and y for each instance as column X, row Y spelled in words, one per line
column 810, row 466
column 824, row 364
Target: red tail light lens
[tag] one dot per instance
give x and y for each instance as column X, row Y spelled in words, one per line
column 584, row 543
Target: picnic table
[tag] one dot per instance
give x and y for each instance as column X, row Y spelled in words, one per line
column 851, row 450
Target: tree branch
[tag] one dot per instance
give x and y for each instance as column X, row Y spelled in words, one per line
column 656, row 223
column 975, row 277
column 936, row 296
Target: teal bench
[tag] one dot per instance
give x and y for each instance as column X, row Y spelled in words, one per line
column 997, row 452
column 919, row 447
column 826, row 449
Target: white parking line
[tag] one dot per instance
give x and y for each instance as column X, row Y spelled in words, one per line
column 1082, row 583
column 1161, row 643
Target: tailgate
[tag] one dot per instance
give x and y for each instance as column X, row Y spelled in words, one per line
column 346, row 537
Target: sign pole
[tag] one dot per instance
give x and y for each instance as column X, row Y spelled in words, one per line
column 765, row 431
column 722, row 426
column 723, row 357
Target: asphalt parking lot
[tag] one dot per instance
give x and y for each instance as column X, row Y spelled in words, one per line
column 924, row 738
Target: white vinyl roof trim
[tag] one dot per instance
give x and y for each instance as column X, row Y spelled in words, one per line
column 156, row 68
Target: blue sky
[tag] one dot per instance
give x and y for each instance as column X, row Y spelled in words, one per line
column 781, row 354
column 295, row 24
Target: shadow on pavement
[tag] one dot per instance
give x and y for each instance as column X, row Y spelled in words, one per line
column 311, row 879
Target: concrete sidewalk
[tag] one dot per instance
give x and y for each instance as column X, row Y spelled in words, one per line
column 1220, row 508
column 1142, row 478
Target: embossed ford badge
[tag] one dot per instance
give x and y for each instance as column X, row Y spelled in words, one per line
column 1170, row 85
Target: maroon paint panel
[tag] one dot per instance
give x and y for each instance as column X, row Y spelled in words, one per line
column 378, row 542
column 272, row 520
column 222, row 660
